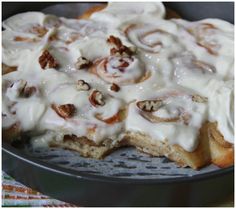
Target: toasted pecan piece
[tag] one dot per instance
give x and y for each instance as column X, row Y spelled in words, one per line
column 115, row 87
column 82, row 85
column 149, row 105
column 114, row 40
column 120, row 49
column 46, row 60
column 96, row 98
column 82, row 62
column 29, row 91
column 65, row 111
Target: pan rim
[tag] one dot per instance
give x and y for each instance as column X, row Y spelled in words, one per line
column 34, row 161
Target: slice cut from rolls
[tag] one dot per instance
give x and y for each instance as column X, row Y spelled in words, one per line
column 172, row 124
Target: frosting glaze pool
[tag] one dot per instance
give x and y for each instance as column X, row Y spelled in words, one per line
column 174, row 60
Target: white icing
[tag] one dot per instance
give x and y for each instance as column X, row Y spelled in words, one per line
column 166, row 56
column 116, row 13
column 174, row 132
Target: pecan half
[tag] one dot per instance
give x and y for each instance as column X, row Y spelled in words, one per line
column 115, row 87
column 82, row 85
column 96, row 98
column 46, row 60
column 149, row 105
column 82, row 62
column 65, row 111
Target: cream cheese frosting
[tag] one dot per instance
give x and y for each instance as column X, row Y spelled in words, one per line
column 174, row 60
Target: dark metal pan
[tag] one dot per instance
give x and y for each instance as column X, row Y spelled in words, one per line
column 126, row 177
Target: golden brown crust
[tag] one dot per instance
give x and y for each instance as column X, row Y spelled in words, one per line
column 196, row 159
column 91, row 10
column 222, row 152
column 212, row 147
column 11, row 133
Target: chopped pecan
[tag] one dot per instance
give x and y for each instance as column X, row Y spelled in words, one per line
column 114, row 40
column 115, row 87
column 149, row 105
column 82, row 62
column 46, row 60
column 199, row 99
column 53, row 37
column 119, row 49
column 82, row 85
column 65, row 111
column 123, row 51
column 29, row 91
column 96, row 98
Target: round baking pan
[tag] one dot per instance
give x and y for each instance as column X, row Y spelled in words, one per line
column 126, row 177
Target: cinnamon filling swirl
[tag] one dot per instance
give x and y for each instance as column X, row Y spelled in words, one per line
column 148, row 38
column 203, row 33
